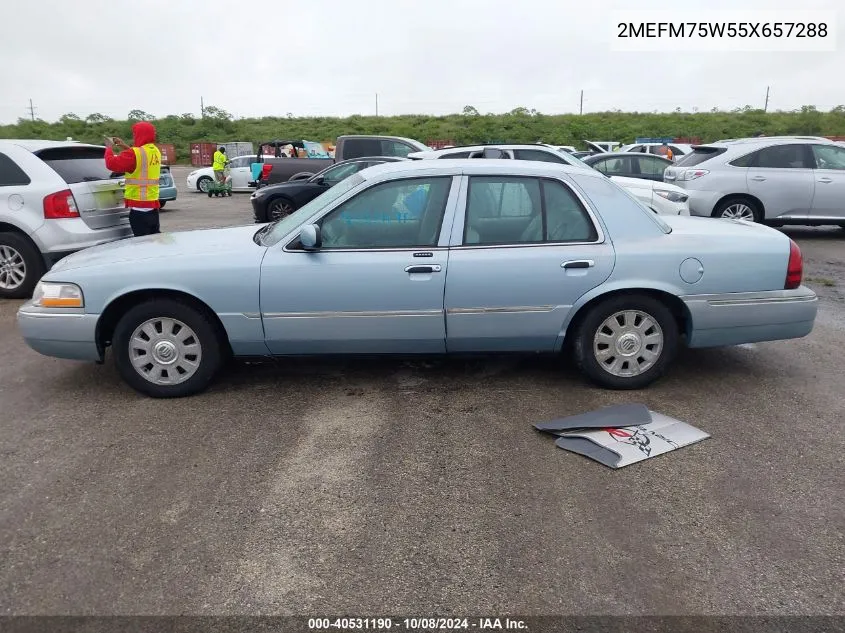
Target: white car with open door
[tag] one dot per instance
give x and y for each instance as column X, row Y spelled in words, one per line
column 240, row 169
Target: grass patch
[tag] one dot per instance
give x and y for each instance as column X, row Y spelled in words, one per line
column 821, row 281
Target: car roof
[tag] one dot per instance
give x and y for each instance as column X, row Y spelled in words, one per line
column 765, row 140
column 472, row 166
column 35, row 145
column 595, row 157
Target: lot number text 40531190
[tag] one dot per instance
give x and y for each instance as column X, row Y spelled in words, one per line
column 417, row 624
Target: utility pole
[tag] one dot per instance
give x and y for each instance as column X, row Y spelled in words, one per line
column 202, row 108
column 581, row 111
column 31, row 110
column 766, row 107
column 376, row 104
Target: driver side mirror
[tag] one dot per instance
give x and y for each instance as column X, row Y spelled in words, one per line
column 310, row 237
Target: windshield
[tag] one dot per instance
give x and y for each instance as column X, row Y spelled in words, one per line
column 574, row 160
column 280, row 228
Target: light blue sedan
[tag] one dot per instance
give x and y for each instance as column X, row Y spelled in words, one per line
column 429, row 257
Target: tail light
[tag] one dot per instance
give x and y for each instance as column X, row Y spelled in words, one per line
column 60, row 205
column 692, row 174
column 265, row 171
column 795, row 268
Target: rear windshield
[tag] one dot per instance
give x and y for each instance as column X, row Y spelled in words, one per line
column 699, row 155
column 78, row 164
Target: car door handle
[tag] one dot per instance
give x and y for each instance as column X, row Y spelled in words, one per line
column 434, row 268
column 757, row 178
column 825, row 180
column 578, row 263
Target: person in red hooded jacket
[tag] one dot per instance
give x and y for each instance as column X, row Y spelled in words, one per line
column 141, row 166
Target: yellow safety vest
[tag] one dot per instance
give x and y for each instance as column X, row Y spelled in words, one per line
column 219, row 161
column 142, row 184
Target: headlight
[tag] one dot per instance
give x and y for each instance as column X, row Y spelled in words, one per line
column 672, row 196
column 56, row 295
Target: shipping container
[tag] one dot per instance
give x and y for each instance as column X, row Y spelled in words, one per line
column 238, row 148
column 687, row 140
column 168, row 153
column 439, row 143
column 202, row 154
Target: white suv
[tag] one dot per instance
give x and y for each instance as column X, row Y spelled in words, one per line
column 662, row 198
column 56, row 197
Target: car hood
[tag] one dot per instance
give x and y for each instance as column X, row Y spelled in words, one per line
column 170, row 245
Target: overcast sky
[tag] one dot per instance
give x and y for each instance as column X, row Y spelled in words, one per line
column 331, row 57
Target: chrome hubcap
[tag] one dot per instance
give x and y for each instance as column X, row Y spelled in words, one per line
column 204, row 184
column 165, row 351
column 738, row 211
column 12, row 268
column 628, row 343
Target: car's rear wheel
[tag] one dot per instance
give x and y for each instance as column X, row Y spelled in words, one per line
column 203, row 184
column 739, row 209
column 21, row 266
column 167, row 349
column 626, row 341
column 280, row 208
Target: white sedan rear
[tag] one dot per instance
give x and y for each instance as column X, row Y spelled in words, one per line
column 240, row 170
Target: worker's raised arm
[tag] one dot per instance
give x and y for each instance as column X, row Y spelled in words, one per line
column 122, row 163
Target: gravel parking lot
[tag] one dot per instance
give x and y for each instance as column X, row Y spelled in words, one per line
column 421, row 488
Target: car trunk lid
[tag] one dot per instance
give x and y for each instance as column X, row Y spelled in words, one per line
column 98, row 192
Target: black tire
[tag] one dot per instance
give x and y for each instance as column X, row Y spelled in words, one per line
column 201, row 180
column 589, row 327
column 729, row 203
column 210, row 194
column 211, row 347
column 229, row 193
column 161, row 203
column 280, row 208
column 18, row 250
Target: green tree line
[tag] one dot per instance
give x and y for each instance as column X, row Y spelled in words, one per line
column 521, row 125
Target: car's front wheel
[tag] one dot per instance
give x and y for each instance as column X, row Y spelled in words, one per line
column 280, row 208
column 203, row 184
column 21, row 266
column 165, row 348
column 626, row 341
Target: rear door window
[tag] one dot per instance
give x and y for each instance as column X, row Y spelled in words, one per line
column 10, row 174
column 537, row 155
column 395, row 148
column 78, row 164
column 792, row 156
column 829, row 157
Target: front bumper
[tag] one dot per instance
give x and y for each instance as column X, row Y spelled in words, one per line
column 70, row 334
column 750, row 317
column 259, row 208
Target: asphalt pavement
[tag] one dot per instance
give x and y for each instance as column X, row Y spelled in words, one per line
column 394, row 487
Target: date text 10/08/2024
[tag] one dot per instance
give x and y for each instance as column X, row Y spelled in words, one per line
column 416, row 624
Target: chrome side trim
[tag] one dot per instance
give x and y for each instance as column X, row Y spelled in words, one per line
column 51, row 315
column 751, row 302
column 753, row 298
column 368, row 313
column 251, row 315
column 506, row 309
